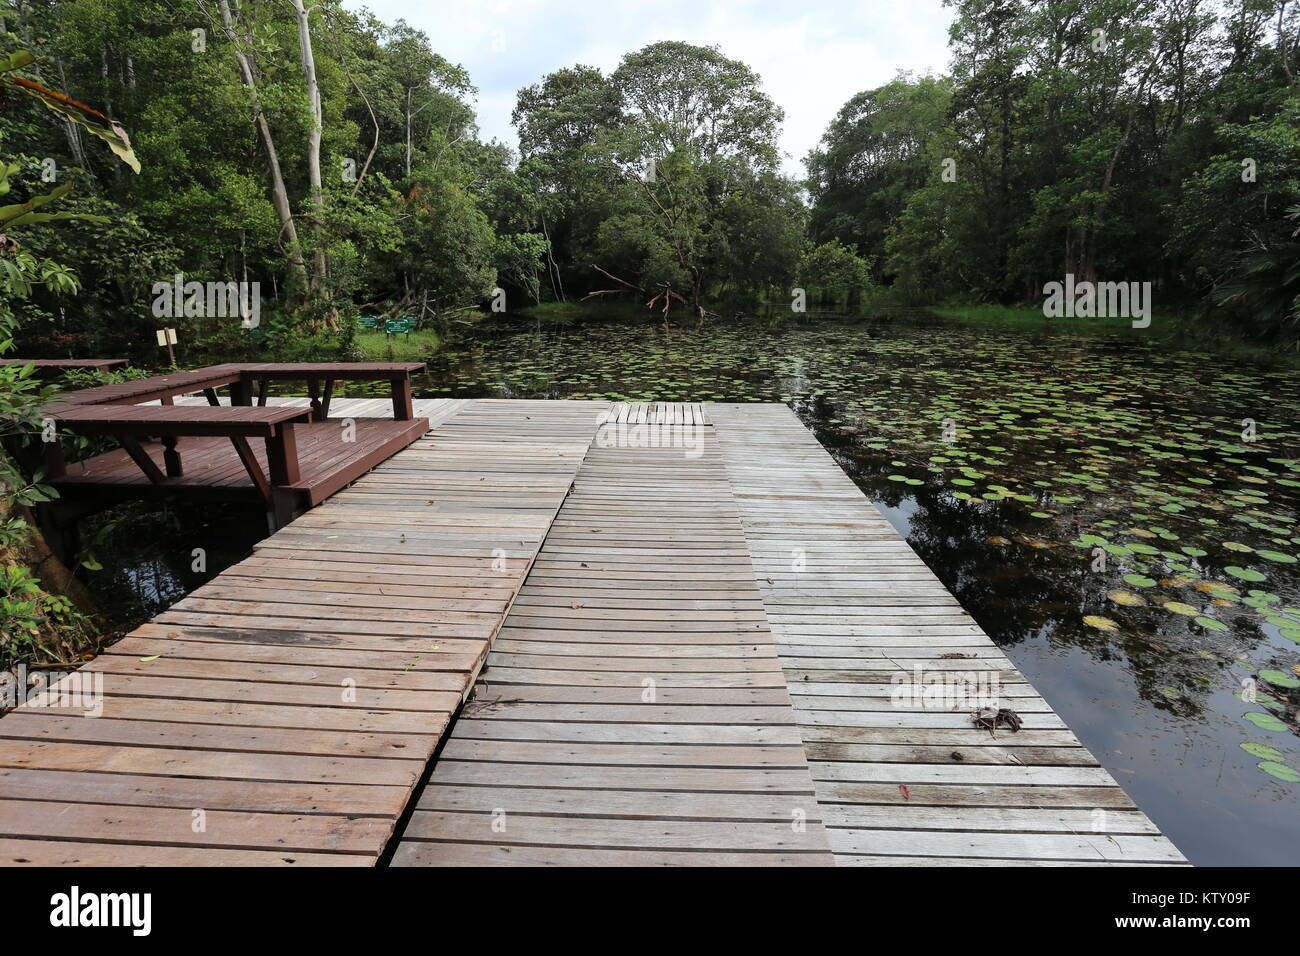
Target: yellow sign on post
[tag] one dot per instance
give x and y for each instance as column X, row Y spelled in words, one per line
column 167, row 337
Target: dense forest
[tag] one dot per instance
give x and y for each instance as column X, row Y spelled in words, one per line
column 335, row 160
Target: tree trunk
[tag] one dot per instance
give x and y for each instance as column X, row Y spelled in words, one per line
column 320, row 265
column 552, row 269
column 279, row 195
column 408, row 132
column 76, row 145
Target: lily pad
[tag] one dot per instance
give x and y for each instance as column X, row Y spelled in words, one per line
column 1263, row 751
column 1100, row 623
column 1126, row 598
column 1265, row 721
column 1279, row 679
column 1280, row 770
column 1245, row 574
column 1277, row 556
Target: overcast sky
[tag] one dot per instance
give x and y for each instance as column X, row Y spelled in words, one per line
column 812, row 54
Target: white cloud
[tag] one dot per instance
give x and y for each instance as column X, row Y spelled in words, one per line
column 812, row 55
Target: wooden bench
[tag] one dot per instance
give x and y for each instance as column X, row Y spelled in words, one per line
column 128, row 424
column 50, row 367
column 159, row 388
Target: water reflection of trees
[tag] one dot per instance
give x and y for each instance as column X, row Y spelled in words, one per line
column 147, row 553
column 1020, row 594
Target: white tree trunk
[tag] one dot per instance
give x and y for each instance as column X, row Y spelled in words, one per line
column 279, row 195
column 313, row 144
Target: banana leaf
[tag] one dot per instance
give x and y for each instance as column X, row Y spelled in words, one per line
column 90, row 119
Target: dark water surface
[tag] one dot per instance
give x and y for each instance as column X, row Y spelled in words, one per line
column 1015, row 462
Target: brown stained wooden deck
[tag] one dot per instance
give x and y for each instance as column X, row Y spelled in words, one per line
column 52, row 367
column 204, row 451
column 213, row 471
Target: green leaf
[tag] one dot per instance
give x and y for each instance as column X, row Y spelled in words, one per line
column 1279, row 679
column 1265, row 721
column 89, row 119
column 1281, row 771
column 17, row 60
column 1245, row 574
column 35, row 218
column 1263, row 751
column 16, row 211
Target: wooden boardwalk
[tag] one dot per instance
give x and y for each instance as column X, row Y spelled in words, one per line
column 633, row 709
column 852, row 606
column 698, row 620
column 283, row 712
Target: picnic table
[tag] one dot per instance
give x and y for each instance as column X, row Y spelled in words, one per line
column 130, row 423
column 321, row 376
column 116, row 410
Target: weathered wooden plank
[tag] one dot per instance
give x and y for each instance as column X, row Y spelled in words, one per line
column 901, row 778
column 297, row 698
column 655, row 731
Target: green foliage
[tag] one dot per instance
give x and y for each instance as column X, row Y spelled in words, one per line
column 1107, row 140
column 664, row 176
column 835, row 271
column 33, row 623
column 68, row 109
column 881, row 147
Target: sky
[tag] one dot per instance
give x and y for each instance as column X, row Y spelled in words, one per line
column 812, row 55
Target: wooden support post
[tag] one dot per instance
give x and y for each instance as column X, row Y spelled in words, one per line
column 313, row 390
column 211, row 395
column 241, row 392
column 325, row 399
column 142, row 459
column 171, row 457
column 251, row 465
column 263, row 387
column 282, row 456
column 52, row 452
column 403, row 409
column 283, row 503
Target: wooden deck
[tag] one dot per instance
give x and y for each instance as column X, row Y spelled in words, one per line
column 633, row 710
column 214, row 472
column 51, row 367
column 864, row 608
column 697, row 621
column 288, row 708
column 203, row 450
